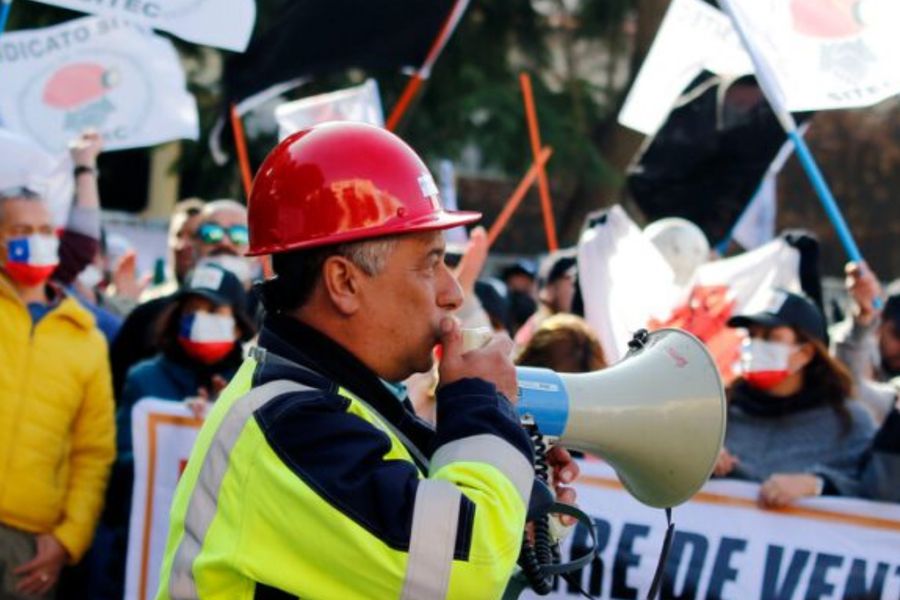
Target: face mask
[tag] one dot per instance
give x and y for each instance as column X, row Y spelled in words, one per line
column 765, row 364
column 31, row 260
column 206, row 337
column 238, row 266
column 90, row 277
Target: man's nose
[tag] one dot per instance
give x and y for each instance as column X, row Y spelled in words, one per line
column 450, row 293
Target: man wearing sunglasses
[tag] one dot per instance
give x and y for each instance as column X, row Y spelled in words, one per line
column 222, row 238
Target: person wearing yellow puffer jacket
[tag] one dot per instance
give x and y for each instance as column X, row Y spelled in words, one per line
column 56, row 409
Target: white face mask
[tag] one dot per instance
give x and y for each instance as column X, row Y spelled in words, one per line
column 238, row 266
column 90, row 277
column 207, row 327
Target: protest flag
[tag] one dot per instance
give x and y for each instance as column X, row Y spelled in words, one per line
column 708, row 160
column 767, row 51
column 222, row 23
column 617, row 303
column 315, row 38
column 360, row 103
column 93, row 72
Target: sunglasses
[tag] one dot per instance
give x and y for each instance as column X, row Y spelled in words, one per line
column 213, row 233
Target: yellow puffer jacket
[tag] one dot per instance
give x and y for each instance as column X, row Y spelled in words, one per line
column 57, row 431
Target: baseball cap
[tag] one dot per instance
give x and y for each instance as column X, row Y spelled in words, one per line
column 786, row 309
column 217, row 284
column 556, row 266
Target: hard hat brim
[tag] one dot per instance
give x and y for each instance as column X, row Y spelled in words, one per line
column 434, row 222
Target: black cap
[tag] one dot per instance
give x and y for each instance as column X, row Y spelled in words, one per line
column 786, row 309
column 492, row 301
column 521, row 267
column 891, row 310
column 556, row 266
column 217, row 284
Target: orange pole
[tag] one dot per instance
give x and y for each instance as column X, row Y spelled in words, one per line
column 409, row 92
column 518, row 195
column 240, row 144
column 543, row 186
column 437, row 46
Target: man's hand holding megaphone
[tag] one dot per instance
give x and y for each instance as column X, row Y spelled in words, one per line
column 490, row 360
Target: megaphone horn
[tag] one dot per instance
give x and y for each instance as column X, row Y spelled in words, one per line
column 658, row 416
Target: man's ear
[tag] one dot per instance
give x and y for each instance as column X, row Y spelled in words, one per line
column 341, row 282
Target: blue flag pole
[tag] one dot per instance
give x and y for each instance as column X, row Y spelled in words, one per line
column 5, row 5
column 773, row 94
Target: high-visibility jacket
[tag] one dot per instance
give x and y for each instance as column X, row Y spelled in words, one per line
column 311, row 480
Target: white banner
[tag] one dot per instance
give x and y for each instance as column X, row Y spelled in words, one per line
column 727, row 548
column 821, row 54
column 222, row 23
column 25, row 164
column 616, row 250
column 104, row 74
column 163, row 434
column 359, row 103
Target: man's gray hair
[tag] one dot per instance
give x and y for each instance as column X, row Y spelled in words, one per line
column 369, row 255
column 214, row 206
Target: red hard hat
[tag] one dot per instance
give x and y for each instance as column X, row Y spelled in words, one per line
column 339, row 182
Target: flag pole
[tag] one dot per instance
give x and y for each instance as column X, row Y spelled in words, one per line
column 773, row 94
column 240, row 144
column 416, row 81
column 534, row 134
column 5, row 5
column 518, row 195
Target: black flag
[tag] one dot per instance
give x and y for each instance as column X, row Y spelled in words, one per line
column 314, row 37
column 707, row 161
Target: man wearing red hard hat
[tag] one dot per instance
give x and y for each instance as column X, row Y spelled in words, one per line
column 312, row 476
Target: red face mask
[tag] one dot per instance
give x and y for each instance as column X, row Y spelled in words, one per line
column 31, row 260
column 206, row 337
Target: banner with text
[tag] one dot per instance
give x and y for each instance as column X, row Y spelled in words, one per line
column 94, row 73
column 221, row 23
column 726, row 547
column 164, row 433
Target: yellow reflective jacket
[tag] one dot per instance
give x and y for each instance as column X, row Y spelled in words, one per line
column 299, row 487
column 57, row 432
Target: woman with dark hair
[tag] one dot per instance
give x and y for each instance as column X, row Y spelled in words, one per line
column 199, row 337
column 791, row 422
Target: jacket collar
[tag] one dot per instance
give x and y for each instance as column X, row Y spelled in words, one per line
column 312, row 350
column 67, row 307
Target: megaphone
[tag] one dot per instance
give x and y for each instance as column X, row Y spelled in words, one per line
column 657, row 416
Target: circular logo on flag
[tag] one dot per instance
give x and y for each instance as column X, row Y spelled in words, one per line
column 103, row 90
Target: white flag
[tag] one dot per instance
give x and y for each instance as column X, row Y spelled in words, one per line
column 693, row 36
column 25, row 164
column 358, row 103
column 818, row 54
column 627, row 285
column 221, row 23
column 826, row 54
column 104, row 74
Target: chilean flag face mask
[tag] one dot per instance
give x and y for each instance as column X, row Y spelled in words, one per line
column 31, row 260
column 207, row 337
column 765, row 364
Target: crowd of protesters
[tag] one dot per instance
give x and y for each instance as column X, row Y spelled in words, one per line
column 83, row 340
